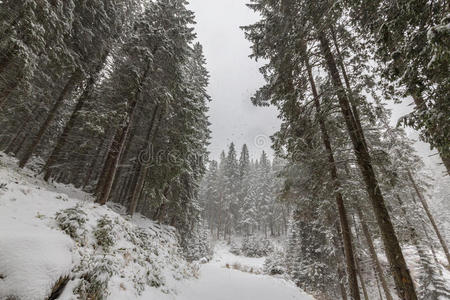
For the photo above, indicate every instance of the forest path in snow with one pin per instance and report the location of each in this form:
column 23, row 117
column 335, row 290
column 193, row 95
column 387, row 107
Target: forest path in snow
column 217, row 282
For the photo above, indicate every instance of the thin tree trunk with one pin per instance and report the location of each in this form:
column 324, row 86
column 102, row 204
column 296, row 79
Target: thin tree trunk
column 373, row 253
column 51, row 115
column 430, row 216
column 402, row 277
column 93, row 163
column 106, row 165
column 345, row 228
column 378, row 283
column 358, row 260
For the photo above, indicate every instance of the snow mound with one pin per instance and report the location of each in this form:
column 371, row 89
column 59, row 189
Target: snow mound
column 32, row 260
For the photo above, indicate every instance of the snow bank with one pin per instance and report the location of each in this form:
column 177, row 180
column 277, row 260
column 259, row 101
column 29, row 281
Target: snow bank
column 31, row 260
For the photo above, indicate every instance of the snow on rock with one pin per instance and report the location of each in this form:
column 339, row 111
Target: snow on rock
column 32, row 259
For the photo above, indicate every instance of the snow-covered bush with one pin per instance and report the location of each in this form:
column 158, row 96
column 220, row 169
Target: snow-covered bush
column 95, row 273
column 72, row 221
column 105, row 234
column 235, row 248
column 197, row 243
column 275, row 263
column 254, row 247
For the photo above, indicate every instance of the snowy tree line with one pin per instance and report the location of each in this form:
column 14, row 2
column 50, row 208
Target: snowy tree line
column 239, row 196
column 353, row 179
column 92, row 92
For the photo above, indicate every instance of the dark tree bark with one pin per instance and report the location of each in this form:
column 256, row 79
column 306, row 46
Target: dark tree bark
column 402, row 277
column 142, row 166
column 119, row 141
column 74, row 79
column 345, row 228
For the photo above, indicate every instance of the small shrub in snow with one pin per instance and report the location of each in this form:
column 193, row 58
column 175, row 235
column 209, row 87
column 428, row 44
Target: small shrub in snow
column 96, row 271
column 253, row 247
column 275, row 263
column 105, row 233
column 72, row 221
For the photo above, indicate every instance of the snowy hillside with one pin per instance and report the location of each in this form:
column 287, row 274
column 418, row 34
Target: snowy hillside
column 55, row 235
column 54, row 241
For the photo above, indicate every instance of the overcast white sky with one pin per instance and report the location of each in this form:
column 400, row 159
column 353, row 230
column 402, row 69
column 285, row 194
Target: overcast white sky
column 235, row 78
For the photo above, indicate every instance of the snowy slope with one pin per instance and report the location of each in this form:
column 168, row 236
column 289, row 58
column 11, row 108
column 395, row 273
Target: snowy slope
column 48, row 233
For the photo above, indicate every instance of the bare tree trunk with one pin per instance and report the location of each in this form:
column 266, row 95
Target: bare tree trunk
column 345, row 228
column 425, row 206
column 373, row 253
column 402, row 277
column 74, row 79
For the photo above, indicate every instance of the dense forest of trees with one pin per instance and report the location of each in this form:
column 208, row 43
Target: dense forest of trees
column 330, row 67
column 109, row 96
column 239, row 196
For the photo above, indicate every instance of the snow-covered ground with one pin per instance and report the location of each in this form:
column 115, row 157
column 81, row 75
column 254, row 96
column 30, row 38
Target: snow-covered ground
column 219, row 282
column 53, row 232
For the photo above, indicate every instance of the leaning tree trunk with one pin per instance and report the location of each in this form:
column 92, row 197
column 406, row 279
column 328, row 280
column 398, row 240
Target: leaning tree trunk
column 25, row 123
column 358, row 260
column 402, row 277
column 429, row 215
column 119, row 142
column 62, row 140
column 74, row 79
column 373, row 253
column 111, row 163
column 142, row 169
column 345, row 228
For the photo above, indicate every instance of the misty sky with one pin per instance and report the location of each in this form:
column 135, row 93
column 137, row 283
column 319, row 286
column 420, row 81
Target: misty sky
column 235, row 78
